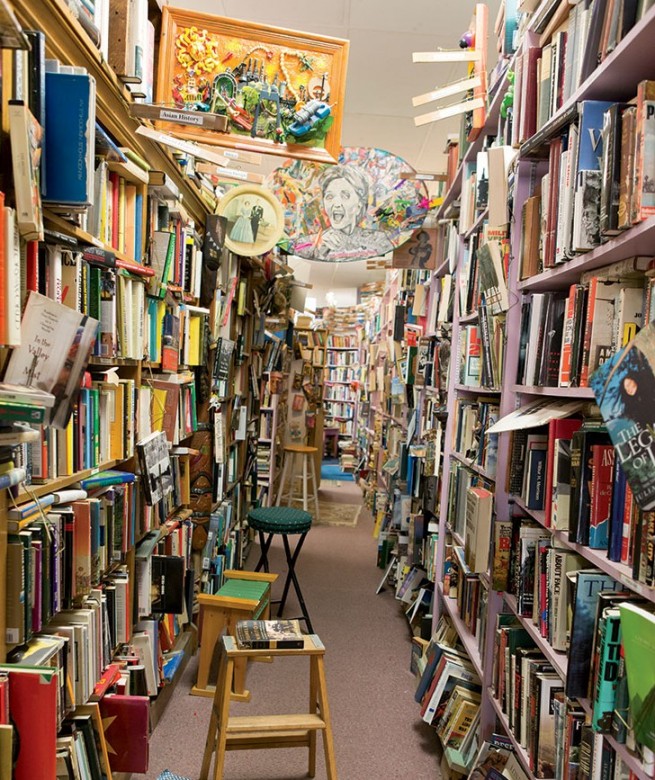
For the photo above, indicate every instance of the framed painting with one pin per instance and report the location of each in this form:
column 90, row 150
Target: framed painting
column 254, row 220
column 282, row 91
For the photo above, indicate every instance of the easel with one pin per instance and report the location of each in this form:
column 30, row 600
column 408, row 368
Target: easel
column 476, row 81
column 253, row 732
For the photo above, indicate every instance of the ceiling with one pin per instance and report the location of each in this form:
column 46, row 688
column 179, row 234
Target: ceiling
column 382, row 79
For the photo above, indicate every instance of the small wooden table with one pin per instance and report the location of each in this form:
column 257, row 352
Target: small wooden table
column 252, row 732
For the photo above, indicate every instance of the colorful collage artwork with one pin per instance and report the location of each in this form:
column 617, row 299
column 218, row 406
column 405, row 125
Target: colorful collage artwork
column 357, row 209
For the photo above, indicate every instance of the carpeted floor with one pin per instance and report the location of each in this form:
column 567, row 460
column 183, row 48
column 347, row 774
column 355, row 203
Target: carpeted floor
column 378, row 732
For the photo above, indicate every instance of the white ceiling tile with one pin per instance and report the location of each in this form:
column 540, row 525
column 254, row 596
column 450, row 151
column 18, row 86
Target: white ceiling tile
column 415, row 16
column 295, row 14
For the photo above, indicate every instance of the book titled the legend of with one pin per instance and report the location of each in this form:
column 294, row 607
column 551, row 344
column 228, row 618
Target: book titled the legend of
column 269, row 634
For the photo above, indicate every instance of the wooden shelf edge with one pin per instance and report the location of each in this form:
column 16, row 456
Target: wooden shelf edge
column 187, row 642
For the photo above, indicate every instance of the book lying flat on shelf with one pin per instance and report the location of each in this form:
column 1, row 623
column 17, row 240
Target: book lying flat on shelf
column 269, row 634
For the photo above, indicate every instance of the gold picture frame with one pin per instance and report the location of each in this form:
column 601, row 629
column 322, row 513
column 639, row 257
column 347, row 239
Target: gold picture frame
column 255, row 220
column 207, row 60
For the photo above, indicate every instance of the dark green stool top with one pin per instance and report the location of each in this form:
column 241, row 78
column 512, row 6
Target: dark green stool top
column 279, row 520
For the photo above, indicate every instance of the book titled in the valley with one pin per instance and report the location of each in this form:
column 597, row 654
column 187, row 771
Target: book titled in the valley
column 625, row 387
column 269, row 634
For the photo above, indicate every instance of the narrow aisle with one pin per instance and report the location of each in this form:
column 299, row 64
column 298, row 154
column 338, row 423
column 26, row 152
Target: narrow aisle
column 378, row 734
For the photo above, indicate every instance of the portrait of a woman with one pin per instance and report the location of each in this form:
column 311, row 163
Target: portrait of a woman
column 345, row 195
column 242, row 228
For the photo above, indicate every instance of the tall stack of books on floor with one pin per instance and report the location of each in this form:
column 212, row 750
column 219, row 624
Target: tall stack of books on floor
column 134, row 374
column 512, row 486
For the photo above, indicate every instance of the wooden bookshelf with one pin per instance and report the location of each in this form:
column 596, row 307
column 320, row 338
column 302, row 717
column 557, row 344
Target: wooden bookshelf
column 469, row 642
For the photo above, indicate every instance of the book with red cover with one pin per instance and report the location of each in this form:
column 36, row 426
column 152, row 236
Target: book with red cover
column 109, row 677
column 557, row 429
column 125, row 721
column 602, row 478
column 33, row 700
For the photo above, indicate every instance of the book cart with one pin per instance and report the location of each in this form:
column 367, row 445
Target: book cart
column 482, row 602
column 209, row 367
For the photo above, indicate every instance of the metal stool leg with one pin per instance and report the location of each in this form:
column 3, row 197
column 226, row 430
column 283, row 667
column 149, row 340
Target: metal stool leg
column 291, row 578
column 265, row 544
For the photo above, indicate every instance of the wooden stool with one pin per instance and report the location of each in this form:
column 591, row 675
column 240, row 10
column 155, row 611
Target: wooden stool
column 269, row 731
column 282, row 520
column 291, row 451
column 245, row 595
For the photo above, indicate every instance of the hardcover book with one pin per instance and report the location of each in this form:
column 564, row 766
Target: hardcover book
column 269, row 634
column 125, row 720
column 638, row 628
column 588, row 584
column 70, row 147
column 55, row 348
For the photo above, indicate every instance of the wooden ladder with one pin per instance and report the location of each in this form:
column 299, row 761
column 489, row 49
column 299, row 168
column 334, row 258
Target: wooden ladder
column 254, row 732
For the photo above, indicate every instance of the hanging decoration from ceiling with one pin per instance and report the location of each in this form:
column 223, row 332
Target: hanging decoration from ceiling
column 357, row 209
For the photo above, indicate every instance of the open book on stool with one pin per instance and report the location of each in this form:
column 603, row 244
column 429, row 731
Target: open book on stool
column 269, row 634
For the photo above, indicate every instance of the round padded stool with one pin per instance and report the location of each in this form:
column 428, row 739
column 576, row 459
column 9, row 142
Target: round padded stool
column 307, row 473
column 271, row 520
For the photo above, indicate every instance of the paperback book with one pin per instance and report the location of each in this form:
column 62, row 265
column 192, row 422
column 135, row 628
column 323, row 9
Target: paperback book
column 269, row 634
column 624, row 387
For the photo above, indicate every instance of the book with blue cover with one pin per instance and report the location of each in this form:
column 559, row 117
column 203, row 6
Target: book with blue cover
column 70, row 139
column 624, row 387
column 588, row 584
column 590, row 144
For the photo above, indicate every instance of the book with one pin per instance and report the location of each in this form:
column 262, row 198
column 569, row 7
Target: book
column 269, row 634
column 26, row 139
column 126, row 725
column 638, row 632
column 479, row 502
column 623, row 387
column 33, row 690
column 55, row 348
column 70, row 155
column 588, row 584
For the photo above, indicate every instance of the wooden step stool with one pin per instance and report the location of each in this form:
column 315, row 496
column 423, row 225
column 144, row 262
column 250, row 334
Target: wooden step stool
column 245, row 595
column 269, row 731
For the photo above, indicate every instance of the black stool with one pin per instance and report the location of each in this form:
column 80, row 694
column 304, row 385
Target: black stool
column 282, row 520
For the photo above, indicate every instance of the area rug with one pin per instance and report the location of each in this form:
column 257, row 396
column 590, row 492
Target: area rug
column 331, row 513
column 332, row 470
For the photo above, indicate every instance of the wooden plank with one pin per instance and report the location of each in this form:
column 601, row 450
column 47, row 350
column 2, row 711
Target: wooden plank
column 448, row 111
column 265, row 725
column 228, row 174
column 447, row 91
column 452, row 55
column 416, row 176
column 180, row 116
column 276, row 739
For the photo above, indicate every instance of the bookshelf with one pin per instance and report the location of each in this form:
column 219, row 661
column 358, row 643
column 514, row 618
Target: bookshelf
column 341, row 400
column 615, row 79
column 178, row 360
column 306, row 391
